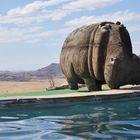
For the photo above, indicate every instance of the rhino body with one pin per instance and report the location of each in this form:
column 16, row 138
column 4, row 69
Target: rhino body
column 98, row 54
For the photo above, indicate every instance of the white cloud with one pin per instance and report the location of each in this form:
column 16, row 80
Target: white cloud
column 28, row 9
column 71, row 7
column 39, row 11
column 36, row 34
column 31, row 13
column 78, row 5
column 30, row 34
column 122, row 16
column 8, row 35
column 32, row 8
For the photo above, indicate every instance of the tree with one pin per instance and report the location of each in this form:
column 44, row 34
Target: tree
column 51, row 80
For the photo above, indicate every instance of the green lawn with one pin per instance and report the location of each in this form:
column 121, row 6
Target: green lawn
column 50, row 92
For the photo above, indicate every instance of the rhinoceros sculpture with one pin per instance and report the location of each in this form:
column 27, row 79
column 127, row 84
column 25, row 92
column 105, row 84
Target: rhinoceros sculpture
column 98, row 54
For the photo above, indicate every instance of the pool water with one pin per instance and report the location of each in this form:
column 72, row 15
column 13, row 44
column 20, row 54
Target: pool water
column 116, row 121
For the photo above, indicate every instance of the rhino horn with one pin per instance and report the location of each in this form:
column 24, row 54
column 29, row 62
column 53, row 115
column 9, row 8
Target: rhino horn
column 102, row 24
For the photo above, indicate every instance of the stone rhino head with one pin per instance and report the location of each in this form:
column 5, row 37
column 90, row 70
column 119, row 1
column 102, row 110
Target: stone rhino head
column 100, row 53
column 121, row 65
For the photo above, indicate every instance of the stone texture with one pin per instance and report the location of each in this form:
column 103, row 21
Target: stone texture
column 98, row 54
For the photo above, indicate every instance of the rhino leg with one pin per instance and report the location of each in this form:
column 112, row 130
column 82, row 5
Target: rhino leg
column 72, row 84
column 92, row 84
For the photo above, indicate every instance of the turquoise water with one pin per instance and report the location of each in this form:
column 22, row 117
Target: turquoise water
column 116, row 121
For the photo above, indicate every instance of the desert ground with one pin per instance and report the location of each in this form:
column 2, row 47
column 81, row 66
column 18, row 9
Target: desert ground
column 23, row 87
column 7, row 87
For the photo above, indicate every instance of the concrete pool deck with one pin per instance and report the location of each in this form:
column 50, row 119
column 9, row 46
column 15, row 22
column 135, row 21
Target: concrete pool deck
column 131, row 93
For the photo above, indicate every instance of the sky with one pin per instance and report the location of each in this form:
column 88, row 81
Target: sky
column 32, row 32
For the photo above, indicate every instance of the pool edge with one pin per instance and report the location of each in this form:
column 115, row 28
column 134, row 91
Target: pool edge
column 65, row 99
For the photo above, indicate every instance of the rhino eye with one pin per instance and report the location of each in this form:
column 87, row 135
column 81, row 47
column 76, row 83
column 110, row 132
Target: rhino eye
column 112, row 60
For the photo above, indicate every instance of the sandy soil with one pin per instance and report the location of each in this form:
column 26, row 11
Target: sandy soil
column 22, row 87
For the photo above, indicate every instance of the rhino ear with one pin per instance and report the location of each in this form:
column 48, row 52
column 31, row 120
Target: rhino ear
column 122, row 26
column 118, row 23
column 102, row 24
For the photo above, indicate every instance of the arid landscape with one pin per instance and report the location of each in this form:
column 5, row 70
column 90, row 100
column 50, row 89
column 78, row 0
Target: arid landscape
column 7, row 87
column 29, row 81
column 52, row 70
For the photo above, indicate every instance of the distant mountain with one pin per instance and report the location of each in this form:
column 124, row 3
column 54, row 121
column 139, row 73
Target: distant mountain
column 53, row 70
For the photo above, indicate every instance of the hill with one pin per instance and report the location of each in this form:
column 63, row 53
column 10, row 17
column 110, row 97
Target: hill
column 40, row 74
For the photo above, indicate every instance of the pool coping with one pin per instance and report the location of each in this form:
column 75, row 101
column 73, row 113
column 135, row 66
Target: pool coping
column 66, row 99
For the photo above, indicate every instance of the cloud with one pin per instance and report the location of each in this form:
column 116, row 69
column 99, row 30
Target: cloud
column 40, row 11
column 8, row 35
column 78, row 5
column 29, row 19
column 32, row 8
column 122, row 16
column 26, row 10
column 37, row 33
column 31, row 13
column 31, row 34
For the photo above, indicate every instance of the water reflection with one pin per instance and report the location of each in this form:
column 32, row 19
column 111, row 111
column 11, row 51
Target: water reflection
column 79, row 121
column 108, row 122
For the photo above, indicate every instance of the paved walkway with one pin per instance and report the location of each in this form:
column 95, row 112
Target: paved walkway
column 132, row 93
column 70, row 95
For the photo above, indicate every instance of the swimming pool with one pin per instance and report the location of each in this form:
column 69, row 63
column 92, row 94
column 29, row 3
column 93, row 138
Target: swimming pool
column 112, row 120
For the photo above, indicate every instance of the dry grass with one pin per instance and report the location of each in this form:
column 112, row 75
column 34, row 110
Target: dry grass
column 23, row 87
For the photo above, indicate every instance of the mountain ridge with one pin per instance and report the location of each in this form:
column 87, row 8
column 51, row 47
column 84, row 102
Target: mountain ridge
column 52, row 70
